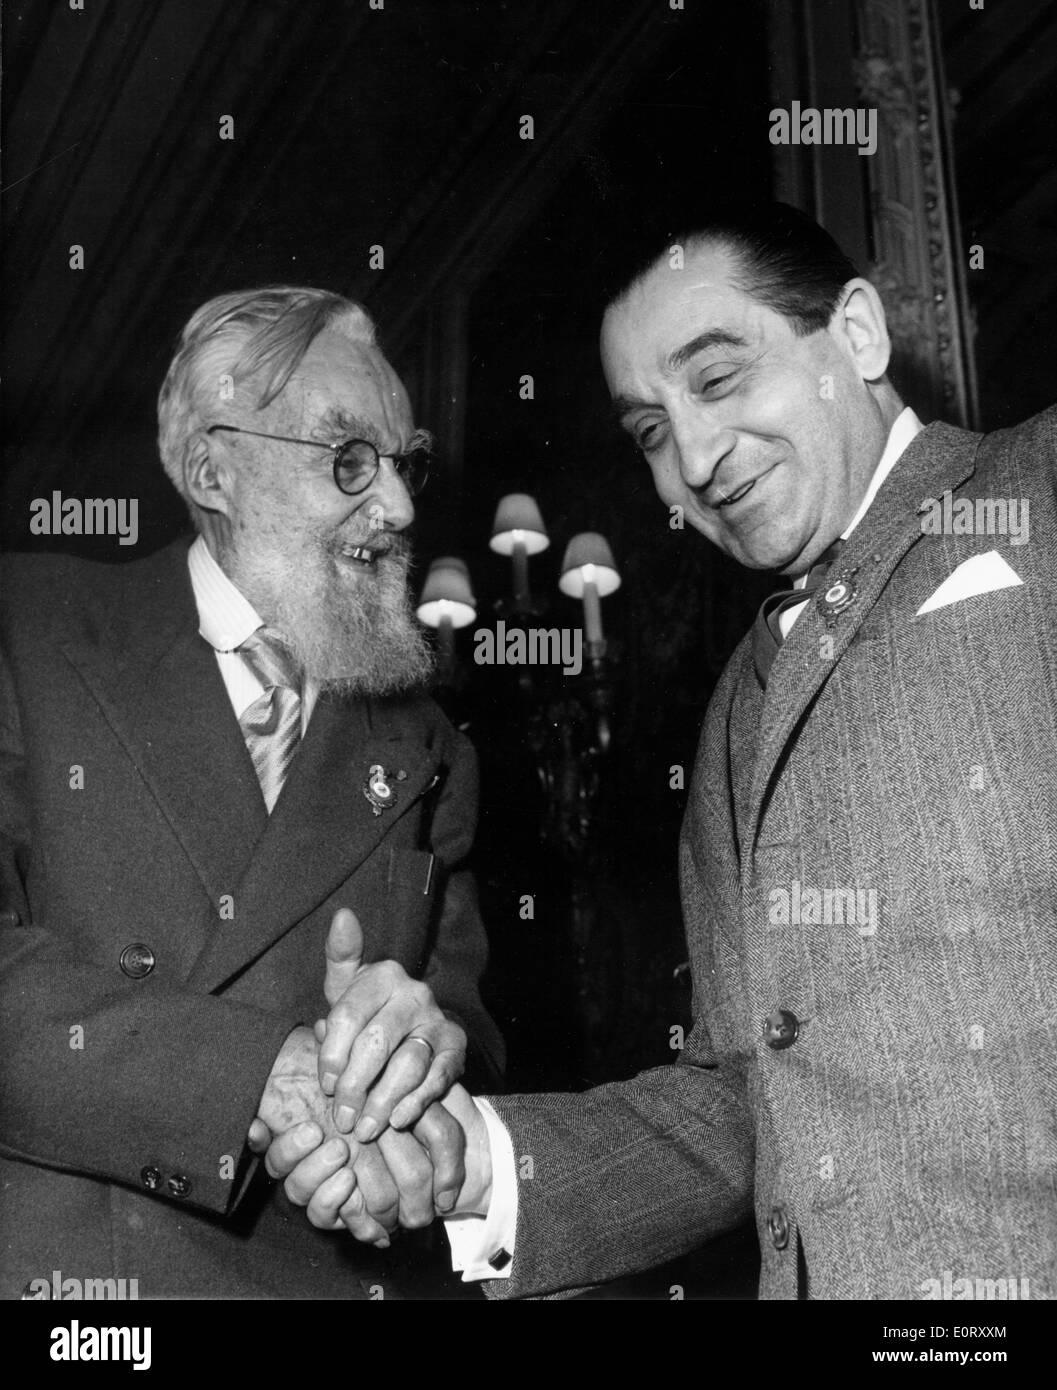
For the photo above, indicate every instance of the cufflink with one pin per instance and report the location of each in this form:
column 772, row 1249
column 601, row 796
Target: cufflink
column 500, row 1259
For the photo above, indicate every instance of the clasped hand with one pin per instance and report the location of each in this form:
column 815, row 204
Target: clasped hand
column 350, row 1117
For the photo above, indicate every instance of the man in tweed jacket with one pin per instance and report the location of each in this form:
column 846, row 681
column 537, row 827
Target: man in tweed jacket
column 869, row 855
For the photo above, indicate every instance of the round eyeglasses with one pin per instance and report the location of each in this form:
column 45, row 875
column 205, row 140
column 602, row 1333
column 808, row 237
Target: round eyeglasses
column 356, row 461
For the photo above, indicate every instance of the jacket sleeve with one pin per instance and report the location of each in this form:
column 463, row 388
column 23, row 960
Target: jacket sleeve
column 460, row 948
column 626, row 1176
column 110, row 1076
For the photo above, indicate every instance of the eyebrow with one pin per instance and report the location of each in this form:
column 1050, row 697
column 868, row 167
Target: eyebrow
column 711, row 338
column 338, row 421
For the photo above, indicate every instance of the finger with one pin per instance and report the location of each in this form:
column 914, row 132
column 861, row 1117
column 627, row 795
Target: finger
column 350, row 1023
column 344, row 953
column 319, row 1028
column 288, row 1149
column 381, row 1197
column 359, row 1222
column 328, row 1199
column 259, row 1137
column 395, row 1005
column 445, row 1070
column 444, row 1140
column 405, row 1072
column 412, row 1172
column 314, row 1169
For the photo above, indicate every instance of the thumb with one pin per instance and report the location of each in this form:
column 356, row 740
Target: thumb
column 344, row 952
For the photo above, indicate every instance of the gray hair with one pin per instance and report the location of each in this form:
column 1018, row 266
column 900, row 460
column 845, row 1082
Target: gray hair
column 235, row 337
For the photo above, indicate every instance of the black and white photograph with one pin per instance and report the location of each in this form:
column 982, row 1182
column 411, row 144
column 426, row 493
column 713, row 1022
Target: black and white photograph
column 528, row 665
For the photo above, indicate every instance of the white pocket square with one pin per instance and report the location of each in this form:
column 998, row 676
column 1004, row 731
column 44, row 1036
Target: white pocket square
column 980, row 575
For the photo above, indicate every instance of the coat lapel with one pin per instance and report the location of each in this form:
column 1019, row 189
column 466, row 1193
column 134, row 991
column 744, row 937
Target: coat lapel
column 157, row 682
column 940, row 457
column 322, row 826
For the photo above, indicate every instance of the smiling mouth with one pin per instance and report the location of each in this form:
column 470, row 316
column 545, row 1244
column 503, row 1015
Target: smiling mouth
column 360, row 553
column 738, row 495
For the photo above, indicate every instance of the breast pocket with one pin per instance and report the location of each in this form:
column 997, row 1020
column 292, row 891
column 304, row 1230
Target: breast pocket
column 412, row 871
column 411, row 894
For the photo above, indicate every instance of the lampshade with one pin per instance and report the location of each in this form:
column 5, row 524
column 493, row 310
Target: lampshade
column 447, row 593
column 518, row 518
column 588, row 556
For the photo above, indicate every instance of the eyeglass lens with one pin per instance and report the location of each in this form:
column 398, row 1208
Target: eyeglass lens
column 356, row 464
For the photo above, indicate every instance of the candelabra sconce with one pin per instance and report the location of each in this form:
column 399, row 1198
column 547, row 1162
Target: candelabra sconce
column 540, row 721
column 518, row 531
column 447, row 602
column 589, row 573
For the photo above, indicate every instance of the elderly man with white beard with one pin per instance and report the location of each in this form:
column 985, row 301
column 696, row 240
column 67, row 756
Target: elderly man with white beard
column 208, row 759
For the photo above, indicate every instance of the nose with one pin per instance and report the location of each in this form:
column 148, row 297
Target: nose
column 388, row 498
column 702, row 445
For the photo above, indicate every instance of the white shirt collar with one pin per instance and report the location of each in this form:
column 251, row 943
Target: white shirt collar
column 905, row 426
column 226, row 618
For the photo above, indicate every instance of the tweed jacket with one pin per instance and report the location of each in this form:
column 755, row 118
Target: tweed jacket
column 869, row 880
column 131, row 817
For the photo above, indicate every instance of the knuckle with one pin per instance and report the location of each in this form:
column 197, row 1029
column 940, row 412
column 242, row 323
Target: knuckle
column 414, row 1219
column 372, row 1042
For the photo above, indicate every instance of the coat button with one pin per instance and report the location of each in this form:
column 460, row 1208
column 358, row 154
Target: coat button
column 137, row 960
column 9, row 917
column 150, row 1178
column 778, row 1226
column 178, row 1185
column 781, row 1029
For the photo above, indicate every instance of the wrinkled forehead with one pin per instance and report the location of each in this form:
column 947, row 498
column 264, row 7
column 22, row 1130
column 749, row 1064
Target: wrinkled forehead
column 672, row 304
column 339, row 379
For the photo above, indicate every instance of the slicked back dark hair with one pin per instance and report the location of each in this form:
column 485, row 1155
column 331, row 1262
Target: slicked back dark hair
column 783, row 259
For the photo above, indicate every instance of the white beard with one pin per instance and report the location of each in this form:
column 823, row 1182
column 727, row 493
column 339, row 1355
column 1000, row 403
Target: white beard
column 348, row 626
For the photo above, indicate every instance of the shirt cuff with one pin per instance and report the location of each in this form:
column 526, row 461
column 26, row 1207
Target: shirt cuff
column 482, row 1247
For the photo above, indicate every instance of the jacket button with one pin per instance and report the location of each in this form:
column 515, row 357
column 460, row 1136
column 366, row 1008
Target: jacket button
column 137, row 960
column 778, row 1226
column 9, row 917
column 151, row 1178
column 781, row 1029
column 178, row 1185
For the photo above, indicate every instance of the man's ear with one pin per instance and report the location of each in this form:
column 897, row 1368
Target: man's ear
column 860, row 327
column 206, row 473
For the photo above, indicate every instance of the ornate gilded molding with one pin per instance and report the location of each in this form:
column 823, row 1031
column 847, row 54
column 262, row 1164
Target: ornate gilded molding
column 896, row 210
column 918, row 261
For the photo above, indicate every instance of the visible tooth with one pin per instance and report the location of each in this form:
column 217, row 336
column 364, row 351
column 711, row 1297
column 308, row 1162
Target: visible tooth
column 737, row 496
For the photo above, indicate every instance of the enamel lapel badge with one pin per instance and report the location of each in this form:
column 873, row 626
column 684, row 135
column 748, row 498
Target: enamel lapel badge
column 379, row 789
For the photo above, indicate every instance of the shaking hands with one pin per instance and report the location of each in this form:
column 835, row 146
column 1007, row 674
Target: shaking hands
column 351, row 1117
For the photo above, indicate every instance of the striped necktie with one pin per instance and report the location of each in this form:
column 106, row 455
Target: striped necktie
column 767, row 630
column 271, row 726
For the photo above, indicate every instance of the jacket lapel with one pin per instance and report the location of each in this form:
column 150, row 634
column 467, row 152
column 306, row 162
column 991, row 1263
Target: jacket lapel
column 157, row 682
column 940, row 457
column 322, row 826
